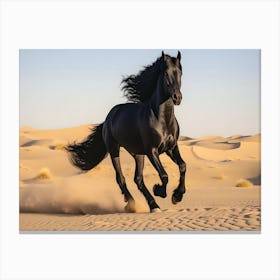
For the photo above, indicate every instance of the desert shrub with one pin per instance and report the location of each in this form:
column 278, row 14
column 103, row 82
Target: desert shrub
column 242, row 183
column 44, row 174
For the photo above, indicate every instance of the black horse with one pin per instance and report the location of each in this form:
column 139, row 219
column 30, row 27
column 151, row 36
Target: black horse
column 146, row 126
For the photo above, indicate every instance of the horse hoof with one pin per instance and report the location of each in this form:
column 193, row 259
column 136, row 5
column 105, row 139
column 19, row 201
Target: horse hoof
column 155, row 210
column 176, row 197
column 159, row 191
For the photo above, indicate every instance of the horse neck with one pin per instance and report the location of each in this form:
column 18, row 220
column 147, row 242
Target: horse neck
column 162, row 105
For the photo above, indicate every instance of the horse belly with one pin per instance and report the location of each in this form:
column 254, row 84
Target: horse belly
column 131, row 141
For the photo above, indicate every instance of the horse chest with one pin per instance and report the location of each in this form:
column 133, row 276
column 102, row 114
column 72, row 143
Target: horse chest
column 164, row 136
column 168, row 143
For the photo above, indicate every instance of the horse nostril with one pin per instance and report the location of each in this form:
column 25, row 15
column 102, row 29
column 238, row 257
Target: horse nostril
column 177, row 98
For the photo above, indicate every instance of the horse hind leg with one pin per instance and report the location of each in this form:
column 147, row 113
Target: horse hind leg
column 130, row 207
column 138, row 179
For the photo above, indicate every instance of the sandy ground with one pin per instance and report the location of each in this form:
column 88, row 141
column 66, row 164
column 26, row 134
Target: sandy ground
column 55, row 196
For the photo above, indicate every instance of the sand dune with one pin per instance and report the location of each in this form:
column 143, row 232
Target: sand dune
column 242, row 151
column 54, row 195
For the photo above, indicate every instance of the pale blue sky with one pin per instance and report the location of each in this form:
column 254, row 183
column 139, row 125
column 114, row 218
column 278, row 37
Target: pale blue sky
column 66, row 88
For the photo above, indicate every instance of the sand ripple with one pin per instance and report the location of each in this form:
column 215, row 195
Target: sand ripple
column 247, row 218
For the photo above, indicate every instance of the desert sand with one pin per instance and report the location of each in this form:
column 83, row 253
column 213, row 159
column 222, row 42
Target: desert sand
column 55, row 196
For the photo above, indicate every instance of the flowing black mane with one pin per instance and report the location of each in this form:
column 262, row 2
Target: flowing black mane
column 139, row 88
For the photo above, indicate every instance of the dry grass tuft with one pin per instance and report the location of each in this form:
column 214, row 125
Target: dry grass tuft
column 242, row 183
column 44, row 174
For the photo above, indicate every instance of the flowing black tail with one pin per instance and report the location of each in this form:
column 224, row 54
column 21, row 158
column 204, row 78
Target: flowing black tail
column 89, row 153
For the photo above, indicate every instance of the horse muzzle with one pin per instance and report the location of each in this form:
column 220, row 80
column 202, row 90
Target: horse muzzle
column 177, row 98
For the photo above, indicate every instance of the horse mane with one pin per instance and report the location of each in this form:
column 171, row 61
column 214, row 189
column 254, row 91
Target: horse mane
column 139, row 88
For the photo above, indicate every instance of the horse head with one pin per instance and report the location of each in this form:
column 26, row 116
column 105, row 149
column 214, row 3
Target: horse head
column 172, row 70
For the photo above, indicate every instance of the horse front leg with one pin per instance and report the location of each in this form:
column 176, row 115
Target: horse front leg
column 159, row 190
column 181, row 189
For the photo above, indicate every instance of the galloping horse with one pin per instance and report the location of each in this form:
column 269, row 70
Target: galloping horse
column 145, row 126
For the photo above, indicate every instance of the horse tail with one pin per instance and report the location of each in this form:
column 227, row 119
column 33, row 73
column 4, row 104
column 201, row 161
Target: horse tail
column 89, row 153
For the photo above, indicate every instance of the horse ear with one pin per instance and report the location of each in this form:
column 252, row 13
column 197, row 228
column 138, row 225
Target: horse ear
column 163, row 56
column 179, row 56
